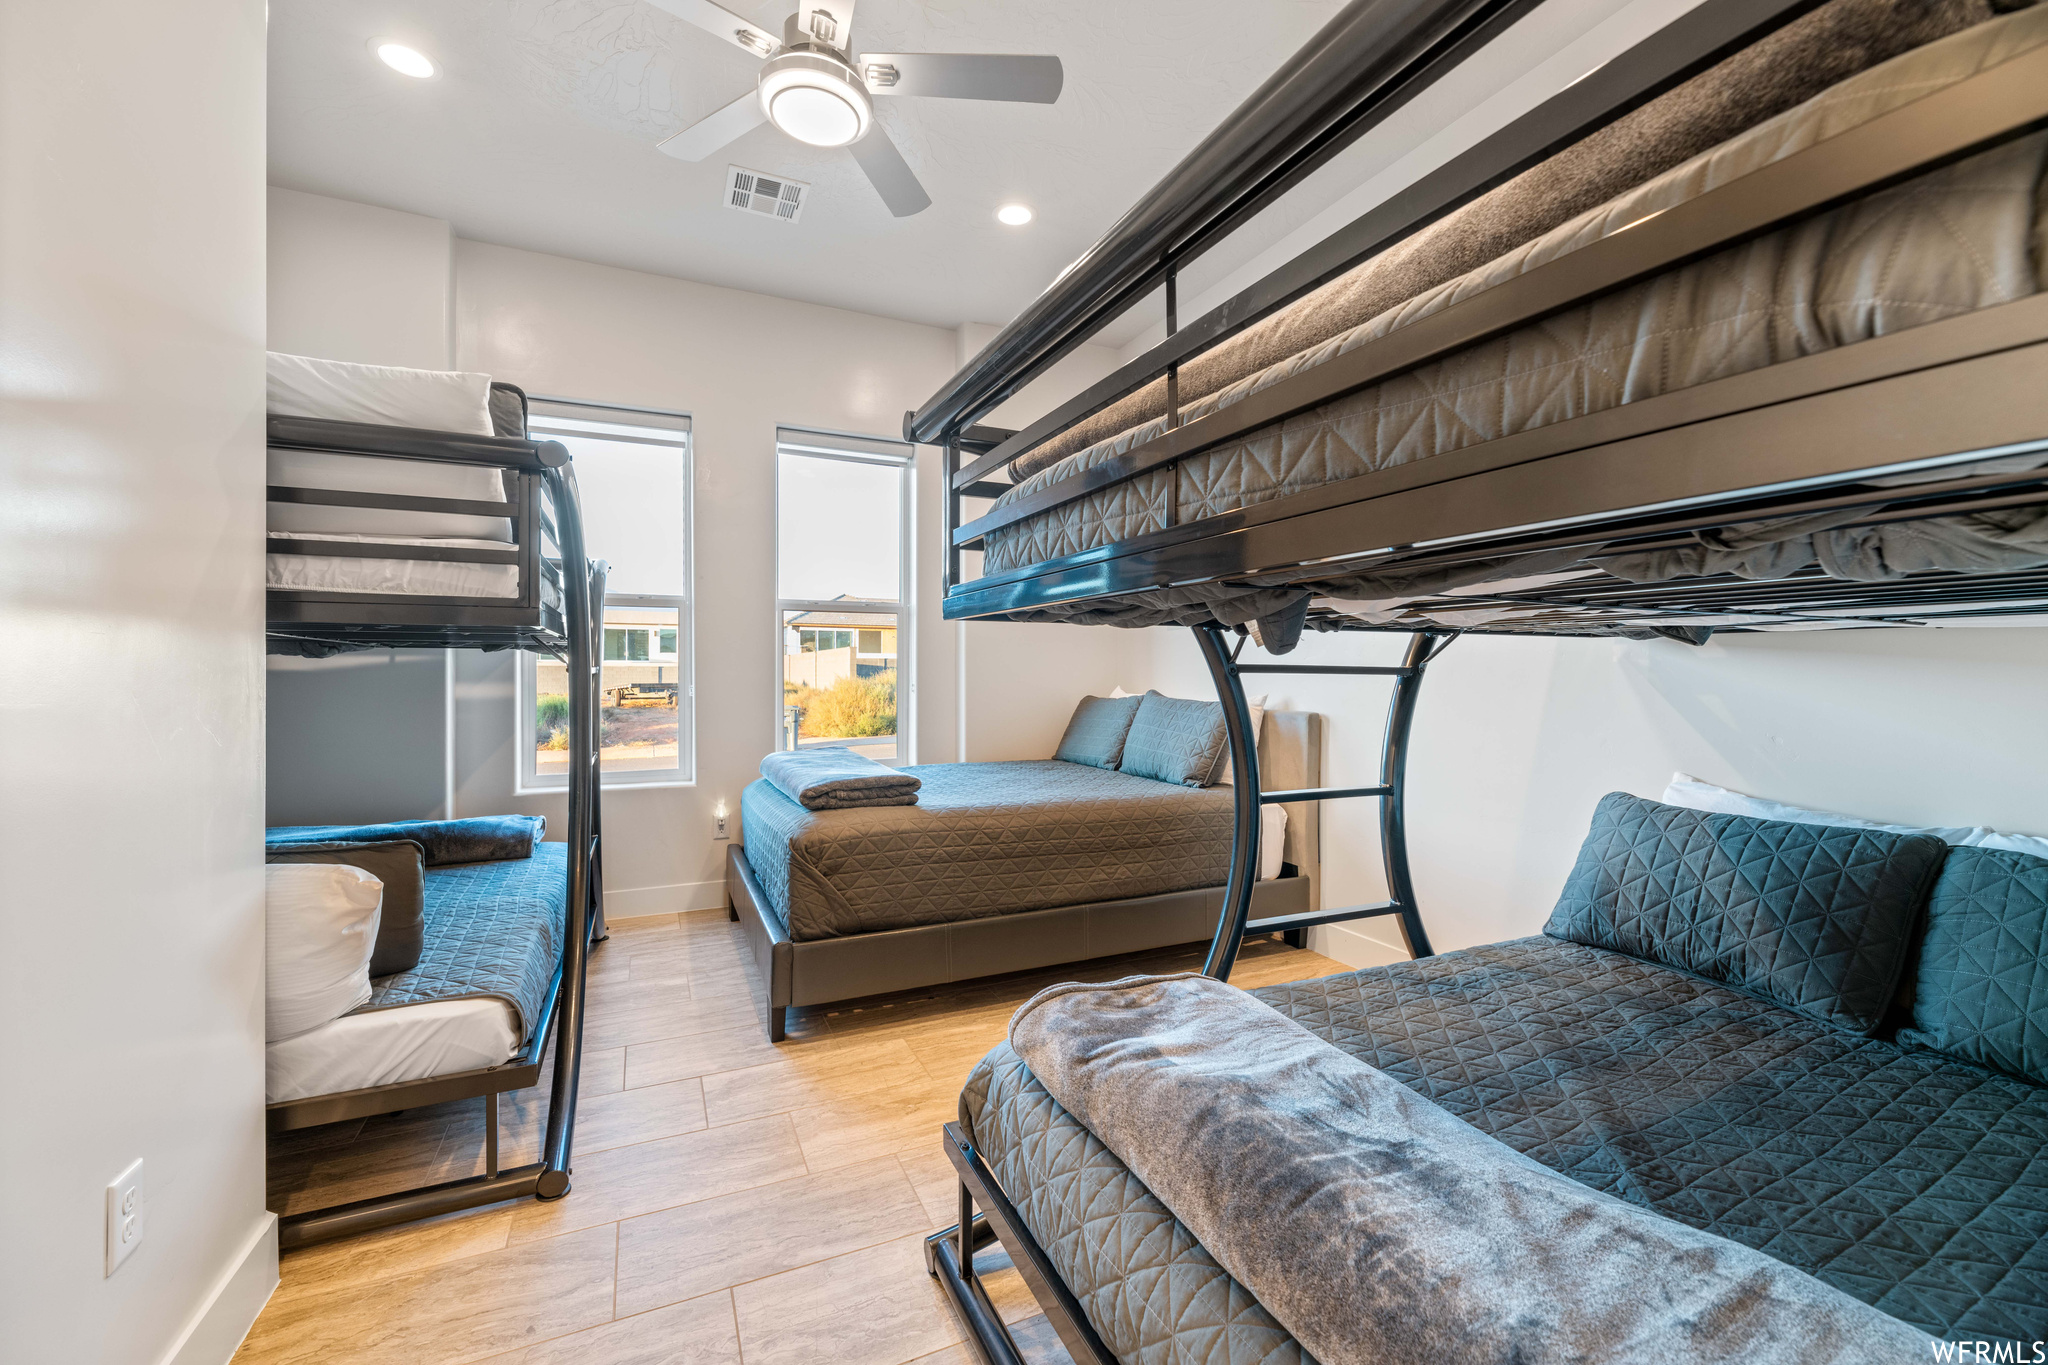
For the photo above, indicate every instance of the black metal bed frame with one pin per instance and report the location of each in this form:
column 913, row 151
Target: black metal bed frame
column 557, row 612
column 1798, row 437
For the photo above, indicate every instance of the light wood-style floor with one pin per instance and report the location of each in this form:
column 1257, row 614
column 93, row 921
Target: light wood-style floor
column 734, row 1201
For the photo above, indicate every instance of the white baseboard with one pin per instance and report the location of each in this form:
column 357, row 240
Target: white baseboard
column 633, row 902
column 216, row 1331
column 1354, row 947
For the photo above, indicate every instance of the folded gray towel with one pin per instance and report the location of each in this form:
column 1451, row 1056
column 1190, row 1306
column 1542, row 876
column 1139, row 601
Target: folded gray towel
column 837, row 779
column 1377, row 1227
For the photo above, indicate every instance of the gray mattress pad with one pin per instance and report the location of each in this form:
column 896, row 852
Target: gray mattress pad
column 1965, row 237
column 984, row 839
column 1910, row 1180
column 492, row 930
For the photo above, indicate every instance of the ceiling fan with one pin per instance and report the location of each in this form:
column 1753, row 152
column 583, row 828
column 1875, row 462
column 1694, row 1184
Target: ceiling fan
column 813, row 88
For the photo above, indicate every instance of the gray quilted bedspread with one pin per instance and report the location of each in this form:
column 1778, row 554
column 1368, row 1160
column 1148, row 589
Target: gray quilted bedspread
column 983, row 839
column 1949, row 242
column 492, row 930
column 1912, row 1181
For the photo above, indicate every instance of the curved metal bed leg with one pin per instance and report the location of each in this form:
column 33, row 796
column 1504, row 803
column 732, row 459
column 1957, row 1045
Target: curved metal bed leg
column 581, row 583
column 1244, row 831
column 1422, row 646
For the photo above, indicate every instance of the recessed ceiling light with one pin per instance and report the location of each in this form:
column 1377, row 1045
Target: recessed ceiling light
column 404, row 60
column 1016, row 215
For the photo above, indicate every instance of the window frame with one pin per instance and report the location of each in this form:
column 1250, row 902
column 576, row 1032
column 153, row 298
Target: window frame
column 851, row 448
column 666, row 428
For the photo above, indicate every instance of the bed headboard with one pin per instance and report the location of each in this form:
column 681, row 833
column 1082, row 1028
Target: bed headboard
column 1291, row 757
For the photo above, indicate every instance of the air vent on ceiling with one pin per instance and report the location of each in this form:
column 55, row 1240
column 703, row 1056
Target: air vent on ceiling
column 771, row 196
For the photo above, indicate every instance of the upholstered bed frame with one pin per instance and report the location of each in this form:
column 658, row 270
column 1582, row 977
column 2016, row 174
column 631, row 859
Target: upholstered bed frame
column 821, row 971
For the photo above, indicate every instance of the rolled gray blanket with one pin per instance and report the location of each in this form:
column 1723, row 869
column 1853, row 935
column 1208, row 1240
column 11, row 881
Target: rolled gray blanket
column 1377, row 1227
column 478, row 839
column 837, row 779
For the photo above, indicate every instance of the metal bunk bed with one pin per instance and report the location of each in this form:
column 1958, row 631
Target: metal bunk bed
column 1795, row 438
column 555, row 611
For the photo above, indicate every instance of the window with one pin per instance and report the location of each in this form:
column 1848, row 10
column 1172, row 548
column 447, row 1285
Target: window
column 842, row 561
column 633, row 471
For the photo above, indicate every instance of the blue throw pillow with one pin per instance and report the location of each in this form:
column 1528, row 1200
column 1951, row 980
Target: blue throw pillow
column 1981, row 991
column 1095, row 736
column 1174, row 740
column 1817, row 918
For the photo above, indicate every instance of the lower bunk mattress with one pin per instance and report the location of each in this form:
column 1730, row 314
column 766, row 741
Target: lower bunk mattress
column 1959, row 239
column 984, row 839
column 492, row 936
column 1908, row 1180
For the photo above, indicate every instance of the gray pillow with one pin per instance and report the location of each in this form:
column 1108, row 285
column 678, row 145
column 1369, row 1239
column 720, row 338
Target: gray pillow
column 1981, row 992
column 1816, row 918
column 400, row 865
column 1095, row 736
column 1174, row 741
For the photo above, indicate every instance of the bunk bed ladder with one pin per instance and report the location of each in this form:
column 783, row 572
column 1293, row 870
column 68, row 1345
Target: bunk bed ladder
column 1234, row 922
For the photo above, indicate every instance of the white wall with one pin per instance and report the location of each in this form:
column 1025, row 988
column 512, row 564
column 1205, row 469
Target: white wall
column 1516, row 739
column 352, row 282
column 131, row 473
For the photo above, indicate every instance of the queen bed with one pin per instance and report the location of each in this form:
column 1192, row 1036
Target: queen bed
column 1003, row 867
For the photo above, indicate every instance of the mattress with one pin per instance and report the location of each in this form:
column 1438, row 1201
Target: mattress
column 984, row 839
column 491, row 931
column 1912, row 1181
column 1955, row 240
column 439, row 1038
column 400, row 577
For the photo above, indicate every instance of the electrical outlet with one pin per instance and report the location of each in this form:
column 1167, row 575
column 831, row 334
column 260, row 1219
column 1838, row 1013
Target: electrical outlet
column 125, row 1209
column 719, row 816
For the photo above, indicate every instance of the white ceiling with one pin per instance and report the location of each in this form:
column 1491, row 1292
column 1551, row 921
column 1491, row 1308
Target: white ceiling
column 541, row 130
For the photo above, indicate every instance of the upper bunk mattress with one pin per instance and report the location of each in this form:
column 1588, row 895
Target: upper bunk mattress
column 1914, row 1182
column 984, row 839
column 1955, row 240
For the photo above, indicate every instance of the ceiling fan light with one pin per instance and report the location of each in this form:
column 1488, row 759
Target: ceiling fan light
column 810, row 114
column 816, row 99
column 406, row 61
column 1014, row 215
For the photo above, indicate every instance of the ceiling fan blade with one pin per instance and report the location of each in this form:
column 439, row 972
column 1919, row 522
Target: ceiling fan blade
column 744, row 34
column 713, row 131
column 890, row 174
column 828, row 21
column 963, row 75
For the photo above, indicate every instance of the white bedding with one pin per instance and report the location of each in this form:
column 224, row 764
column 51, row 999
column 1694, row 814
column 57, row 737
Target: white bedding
column 388, row 395
column 384, row 1047
column 400, row 577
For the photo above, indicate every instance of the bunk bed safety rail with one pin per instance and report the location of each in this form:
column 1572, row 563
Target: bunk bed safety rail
column 2001, row 103
column 318, row 621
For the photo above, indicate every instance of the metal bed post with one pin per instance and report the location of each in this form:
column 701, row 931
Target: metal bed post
column 1233, row 923
column 579, row 578
column 1244, row 830
column 1422, row 647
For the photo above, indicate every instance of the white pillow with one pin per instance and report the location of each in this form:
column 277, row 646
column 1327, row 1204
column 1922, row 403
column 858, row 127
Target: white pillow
column 1272, row 841
column 388, row 395
column 1688, row 791
column 320, row 923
